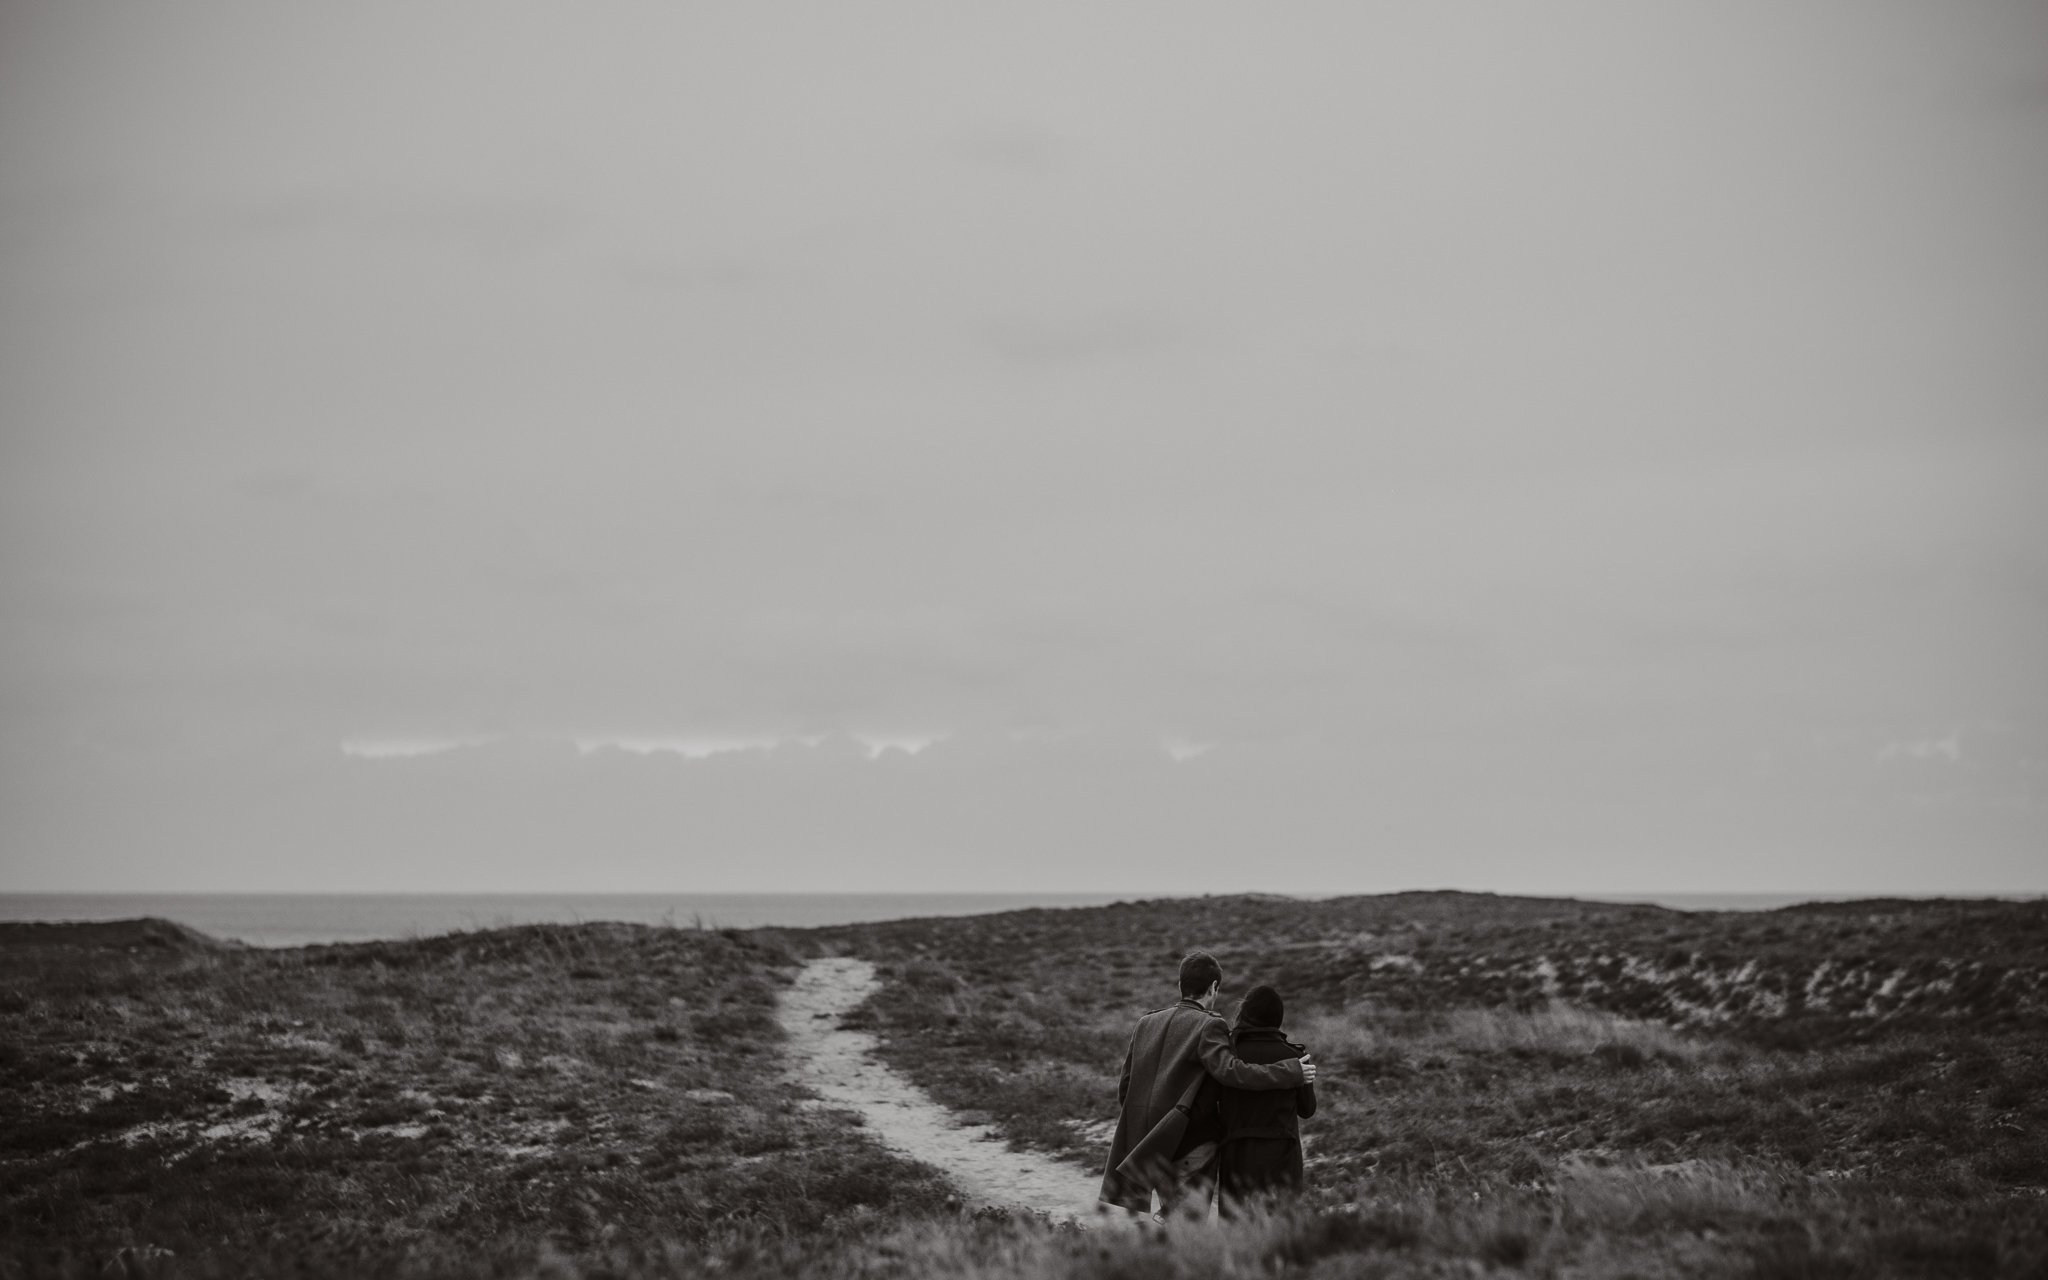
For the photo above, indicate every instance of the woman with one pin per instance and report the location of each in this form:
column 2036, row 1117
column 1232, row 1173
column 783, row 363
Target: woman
column 1260, row 1153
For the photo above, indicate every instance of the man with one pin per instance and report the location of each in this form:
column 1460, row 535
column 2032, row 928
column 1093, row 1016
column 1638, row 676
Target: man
column 1171, row 1049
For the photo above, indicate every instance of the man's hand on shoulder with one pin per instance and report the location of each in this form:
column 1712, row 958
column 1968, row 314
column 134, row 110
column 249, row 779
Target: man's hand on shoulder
column 1308, row 1068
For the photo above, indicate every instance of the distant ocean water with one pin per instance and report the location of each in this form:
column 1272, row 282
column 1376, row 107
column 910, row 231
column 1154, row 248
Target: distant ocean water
column 301, row 919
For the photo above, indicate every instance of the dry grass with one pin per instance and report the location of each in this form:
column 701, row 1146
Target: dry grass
column 1554, row 1031
column 520, row 1103
column 1440, row 1075
column 1596, row 1223
column 545, row 1086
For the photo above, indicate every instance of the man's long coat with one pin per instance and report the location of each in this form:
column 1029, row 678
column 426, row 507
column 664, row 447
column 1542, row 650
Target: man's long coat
column 1170, row 1049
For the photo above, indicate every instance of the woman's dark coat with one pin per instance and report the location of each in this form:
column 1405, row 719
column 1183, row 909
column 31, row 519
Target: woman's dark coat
column 1261, row 1131
column 1170, row 1049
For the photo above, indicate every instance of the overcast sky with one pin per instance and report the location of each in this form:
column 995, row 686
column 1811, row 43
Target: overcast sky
column 1106, row 446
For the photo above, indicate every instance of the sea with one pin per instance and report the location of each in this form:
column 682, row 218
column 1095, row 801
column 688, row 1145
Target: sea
column 304, row 919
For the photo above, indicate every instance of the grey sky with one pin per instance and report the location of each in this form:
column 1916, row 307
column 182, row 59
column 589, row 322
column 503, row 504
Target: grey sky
column 1295, row 446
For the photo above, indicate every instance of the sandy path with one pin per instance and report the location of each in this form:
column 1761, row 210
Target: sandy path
column 840, row 1066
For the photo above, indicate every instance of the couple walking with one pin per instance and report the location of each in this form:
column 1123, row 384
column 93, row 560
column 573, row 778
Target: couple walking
column 1208, row 1107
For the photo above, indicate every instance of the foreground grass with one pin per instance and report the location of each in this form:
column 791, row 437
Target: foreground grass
column 1595, row 1223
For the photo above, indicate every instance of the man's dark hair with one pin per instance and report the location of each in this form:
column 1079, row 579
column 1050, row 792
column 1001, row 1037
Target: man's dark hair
column 1197, row 972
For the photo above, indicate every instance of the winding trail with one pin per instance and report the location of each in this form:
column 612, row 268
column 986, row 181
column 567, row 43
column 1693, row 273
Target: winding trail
column 840, row 1066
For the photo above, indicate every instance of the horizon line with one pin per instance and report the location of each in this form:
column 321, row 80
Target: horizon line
column 1603, row 895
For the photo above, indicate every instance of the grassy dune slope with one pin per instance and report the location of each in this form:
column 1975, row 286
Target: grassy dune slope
column 167, row 1102
column 1513, row 1086
column 1892, row 1054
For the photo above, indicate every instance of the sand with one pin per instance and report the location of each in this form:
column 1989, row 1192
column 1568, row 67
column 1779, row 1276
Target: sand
column 840, row 1066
